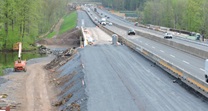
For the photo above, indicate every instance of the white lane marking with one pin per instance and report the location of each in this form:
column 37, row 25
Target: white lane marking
column 153, row 47
column 172, row 56
column 202, row 69
column 146, row 44
column 162, row 51
column 186, row 62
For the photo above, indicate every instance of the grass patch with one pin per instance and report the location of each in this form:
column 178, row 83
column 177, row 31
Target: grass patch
column 70, row 22
column 51, row 34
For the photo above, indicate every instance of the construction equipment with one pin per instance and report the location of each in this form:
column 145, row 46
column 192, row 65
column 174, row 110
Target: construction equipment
column 19, row 65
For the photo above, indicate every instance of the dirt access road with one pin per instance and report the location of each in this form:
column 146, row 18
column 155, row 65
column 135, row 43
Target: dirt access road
column 36, row 84
column 31, row 90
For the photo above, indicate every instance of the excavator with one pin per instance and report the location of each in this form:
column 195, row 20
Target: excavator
column 19, row 65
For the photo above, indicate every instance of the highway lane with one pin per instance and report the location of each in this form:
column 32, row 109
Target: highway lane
column 114, row 19
column 83, row 19
column 192, row 64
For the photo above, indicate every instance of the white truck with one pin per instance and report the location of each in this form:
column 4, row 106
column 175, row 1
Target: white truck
column 103, row 21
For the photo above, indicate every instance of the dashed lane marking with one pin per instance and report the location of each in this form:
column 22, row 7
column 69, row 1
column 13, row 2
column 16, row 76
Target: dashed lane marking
column 162, row 51
column 186, row 62
column 172, row 56
column 202, row 69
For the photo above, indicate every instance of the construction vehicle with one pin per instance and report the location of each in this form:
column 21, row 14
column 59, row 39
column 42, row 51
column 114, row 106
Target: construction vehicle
column 19, row 65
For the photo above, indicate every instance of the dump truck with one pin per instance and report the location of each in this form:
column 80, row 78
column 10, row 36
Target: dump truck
column 19, row 65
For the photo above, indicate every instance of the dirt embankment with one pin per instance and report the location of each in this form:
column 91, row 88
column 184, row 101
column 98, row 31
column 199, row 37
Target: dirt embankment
column 69, row 39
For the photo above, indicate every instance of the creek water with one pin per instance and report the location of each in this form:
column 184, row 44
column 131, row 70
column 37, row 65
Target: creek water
column 8, row 58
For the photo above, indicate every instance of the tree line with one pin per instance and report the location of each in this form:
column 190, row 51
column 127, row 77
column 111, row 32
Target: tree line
column 191, row 15
column 26, row 19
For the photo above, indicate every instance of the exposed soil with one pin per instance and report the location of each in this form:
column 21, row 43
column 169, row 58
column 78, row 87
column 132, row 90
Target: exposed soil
column 68, row 39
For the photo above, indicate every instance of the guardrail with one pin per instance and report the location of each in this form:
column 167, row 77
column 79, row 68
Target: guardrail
column 197, row 84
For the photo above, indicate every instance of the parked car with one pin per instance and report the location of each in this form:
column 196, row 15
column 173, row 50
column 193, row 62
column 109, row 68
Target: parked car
column 131, row 32
column 168, row 36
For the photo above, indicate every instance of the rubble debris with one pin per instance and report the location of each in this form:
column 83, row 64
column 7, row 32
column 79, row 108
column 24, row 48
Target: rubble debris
column 61, row 102
column 3, row 96
column 74, row 107
column 61, row 59
column 44, row 50
column 64, row 79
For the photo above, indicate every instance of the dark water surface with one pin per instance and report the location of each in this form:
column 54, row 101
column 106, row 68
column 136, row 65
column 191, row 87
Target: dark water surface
column 8, row 58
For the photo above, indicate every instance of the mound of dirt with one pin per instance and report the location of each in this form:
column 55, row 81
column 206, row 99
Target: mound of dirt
column 70, row 39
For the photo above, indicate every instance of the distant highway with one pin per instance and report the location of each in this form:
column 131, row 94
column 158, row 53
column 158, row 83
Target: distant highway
column 116, row 20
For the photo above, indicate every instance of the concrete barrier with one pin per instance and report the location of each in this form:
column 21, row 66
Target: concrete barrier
column 84, row 37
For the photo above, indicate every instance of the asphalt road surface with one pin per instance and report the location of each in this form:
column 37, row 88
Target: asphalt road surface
column 118, row 79
column 84, row 20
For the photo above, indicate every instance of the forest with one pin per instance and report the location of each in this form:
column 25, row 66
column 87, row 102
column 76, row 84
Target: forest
column 191, row 15
column 25, row 20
